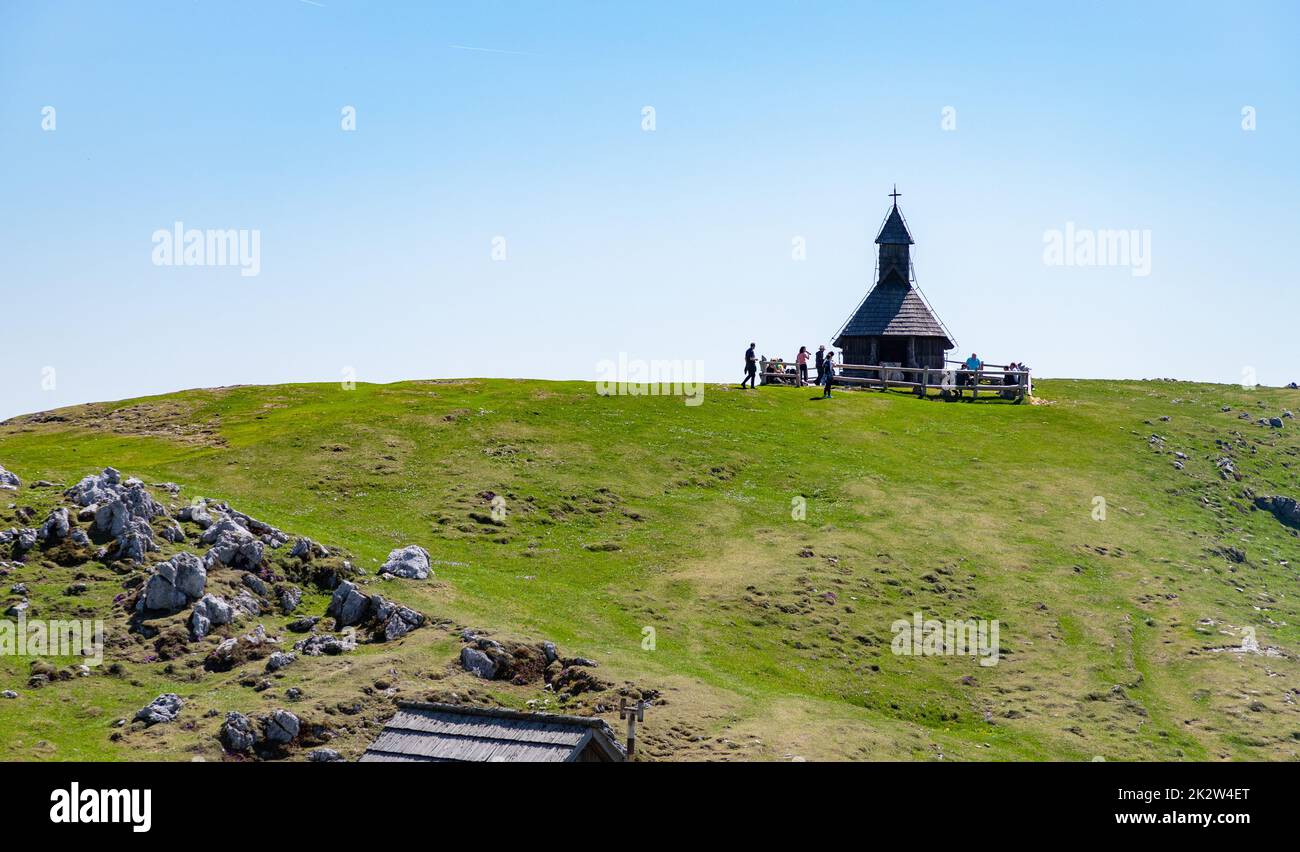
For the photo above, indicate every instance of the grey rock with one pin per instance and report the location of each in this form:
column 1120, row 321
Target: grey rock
column 135, row 541
column 211, row 611
column 8, row 693
column 395, row 620
column 9, row 481
column 173, row 533
column 303, row 625
column 257, row 584
column 237, row 732
column 1275, row 422
column 319, row 644
column 228, row 652
column 96, row 488
column 114, row 515
column 477, row 663
column 290, row 597
column 25, row 540
column 279, row 660
column 348, row 605
column 552, row 654
column 410, row 562
column 174, row 583
column 164, row 708
column 79, row 537
column 197, row 513
column 232, row 546
column 264, row 532
column 19, row 609
column 324, row 755
column 56, row 526
column 1285, row 509
column 244, row 602
column 280, row 727
column 307, row 550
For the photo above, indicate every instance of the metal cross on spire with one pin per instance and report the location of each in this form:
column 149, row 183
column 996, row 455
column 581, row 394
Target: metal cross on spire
column 894, row 195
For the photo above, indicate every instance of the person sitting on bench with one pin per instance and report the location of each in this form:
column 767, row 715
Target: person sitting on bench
column 971, row 374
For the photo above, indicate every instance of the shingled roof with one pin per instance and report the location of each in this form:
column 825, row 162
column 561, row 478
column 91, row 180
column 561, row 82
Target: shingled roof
column 423, row 732
column 894, row 231
column 894, row 308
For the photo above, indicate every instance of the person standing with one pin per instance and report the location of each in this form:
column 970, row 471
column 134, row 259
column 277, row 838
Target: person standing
column 821, row 362
column 829, row 367
column 802, row 362
column 751, row 366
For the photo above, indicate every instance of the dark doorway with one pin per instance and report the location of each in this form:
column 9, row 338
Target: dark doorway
column 893, row 350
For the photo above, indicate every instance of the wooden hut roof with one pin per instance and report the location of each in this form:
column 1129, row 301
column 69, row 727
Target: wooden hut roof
column 894, row 308
column 426, row 732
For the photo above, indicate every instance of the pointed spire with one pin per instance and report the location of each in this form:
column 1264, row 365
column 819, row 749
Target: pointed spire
column 894, row 231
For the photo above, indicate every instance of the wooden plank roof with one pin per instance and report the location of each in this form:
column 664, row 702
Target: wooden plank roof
column 447, row 732
column 893, row 308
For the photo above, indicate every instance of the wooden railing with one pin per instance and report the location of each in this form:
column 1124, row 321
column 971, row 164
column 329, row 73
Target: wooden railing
column 991, row 379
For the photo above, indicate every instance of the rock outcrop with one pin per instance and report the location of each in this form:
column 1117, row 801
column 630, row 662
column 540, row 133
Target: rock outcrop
column 232, row 546
column 1285, row 509
column 350, row 606
column 325, row 644
column 164, row 708
column 410, row 562
column 56, row 527
column 237, row 733
column 210, row 611
column 280, row 727
column 174, row 584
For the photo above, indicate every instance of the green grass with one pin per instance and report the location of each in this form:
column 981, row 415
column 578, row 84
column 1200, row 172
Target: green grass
column 956, row 510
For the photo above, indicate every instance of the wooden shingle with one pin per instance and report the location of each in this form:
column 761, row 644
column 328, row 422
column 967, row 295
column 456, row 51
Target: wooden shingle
column 447, row 732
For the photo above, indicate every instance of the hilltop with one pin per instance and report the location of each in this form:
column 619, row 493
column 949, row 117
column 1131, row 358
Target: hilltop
column 658, row 541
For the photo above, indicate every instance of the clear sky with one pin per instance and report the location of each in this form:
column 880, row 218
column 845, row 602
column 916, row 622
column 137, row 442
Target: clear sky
column 525, row 121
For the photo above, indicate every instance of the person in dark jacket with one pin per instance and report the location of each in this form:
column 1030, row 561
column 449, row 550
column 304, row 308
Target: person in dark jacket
column 820, row 362
column 751, row 366
column 828, row 366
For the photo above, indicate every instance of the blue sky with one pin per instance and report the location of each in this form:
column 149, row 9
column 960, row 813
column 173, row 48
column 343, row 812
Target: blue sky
column 524, row 121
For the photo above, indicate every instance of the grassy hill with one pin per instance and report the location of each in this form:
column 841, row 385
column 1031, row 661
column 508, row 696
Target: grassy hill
column 1120, row 637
